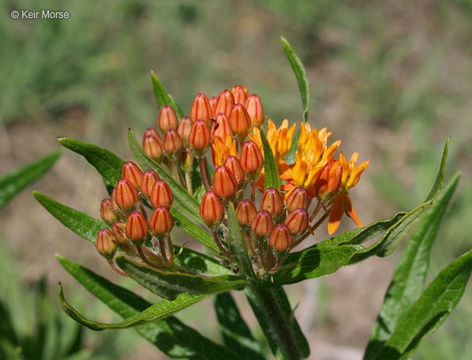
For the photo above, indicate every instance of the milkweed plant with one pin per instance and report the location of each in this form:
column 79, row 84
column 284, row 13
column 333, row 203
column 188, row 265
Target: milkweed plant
column 250, row 192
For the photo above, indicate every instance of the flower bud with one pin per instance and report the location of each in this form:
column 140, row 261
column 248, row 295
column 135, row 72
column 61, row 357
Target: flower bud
column 297, row 221
column 201, row 109
column 106, row 211
column 152, row 132
column 114, row 205
column 240, row 121
column 161, row 195
column 184, row 129
column 161, row 221
column 106, row 244
column 251, row 159
column 136, row 227
column 246, row 212
column 152, row 147
column 297, row 198
column 167, row 119
column 262, row 224
column 255, row 110
column 232, row 163
column 149, row 179
column 225, row 103
column 224, row 183
column 221, row 127
column 172, row 142
column 186, row 159
column 280, row 238
column 213, row 100
column 119, row 231
column 132, row 173
column 329, row 180
column 272, row 202
column 199, row 137
column 126, row 195
column 211, row 209
column 240, row 94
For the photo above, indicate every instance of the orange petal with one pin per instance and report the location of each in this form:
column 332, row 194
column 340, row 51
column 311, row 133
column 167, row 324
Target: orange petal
column 350, row 211
column 336, row 213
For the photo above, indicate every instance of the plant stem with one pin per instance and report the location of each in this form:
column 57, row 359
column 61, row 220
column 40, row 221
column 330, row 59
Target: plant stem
column 188, row 181
column 203, row 172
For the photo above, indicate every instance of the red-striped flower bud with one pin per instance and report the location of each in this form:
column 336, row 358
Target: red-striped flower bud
column 114, row 205
column 199, row 137
column 184, row 129
column 152, row 147
column 221, row 127
column 224, row 183
column 136, row 227
column 213, row 100
column 262, row 224
column 167, row 119
column 149, row 179
column 201, row 109
column 329, row 180
column 297, row 221
column 161, row 195
column 211, row 209
column 126, row 195
column 246, row 212
column 152, row 132
column 225, row 103
column 280, row 238
column 240, row 121
column 271, row 201
column 297, row 198
column 161, row 221
column 255, row 110
column 186, row 159
column 173, row 143
column 251, row 159
column 106, row 244
column 133, row 173
column 240, row 94
column 232, row 163
column 106, row 211
column 119, row 231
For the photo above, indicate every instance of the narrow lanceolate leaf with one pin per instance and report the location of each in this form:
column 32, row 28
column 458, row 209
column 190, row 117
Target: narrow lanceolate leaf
column 271, row 173
column 174, row 338
column 194, row 262
column 162, row 97
column 236, row 334
column 107, row 164
column 430, row 310
column 83, row 225
column 15, row 181
column 410, row 273
column 179, row 282
column 440, row 176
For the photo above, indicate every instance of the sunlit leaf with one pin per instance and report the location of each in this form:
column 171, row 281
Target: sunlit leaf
column 271, row 173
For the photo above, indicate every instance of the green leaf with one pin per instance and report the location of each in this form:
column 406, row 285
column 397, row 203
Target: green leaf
column 162, row 97
column 80, row 223
column 236, row 334
column 430, row 310
column 107, row 164
column 15, row 181
column 170, row 335
column 410, row 273
column 271, row 173
column 440, row 177
column 194, row 262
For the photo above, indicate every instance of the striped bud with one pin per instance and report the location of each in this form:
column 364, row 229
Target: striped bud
column 271, row 201
column 251, row 159
column 297, row 221
column 106, row 211
column 297, row 198
column 246, row 212
column 173, row 143
column 152, row 147
column 106, row 244
column 262, row 224
column 161, row 221
column 221, row 127
column 201, row 109
column 152, row 132
column 126, row 195
column 199, row 137
column 167, row 119
column 224, row 183
column 240, row 94
column 240, row 121
column 184, row 129
column 255, row 110
column 211, row 209
column 114, row 205
column 119, row 231
column 161, row 195
column 225, row 103
column 186, row 159
column 213, row 100
column 232, row 163
column 280, row 238
column 136, row 227
column 133, row 173
column 149, row 179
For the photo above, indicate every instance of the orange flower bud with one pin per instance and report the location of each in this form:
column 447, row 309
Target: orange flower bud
column 167, row 119
column 136, row 227
column 152, row 147
column 262, row 224
column 225, row 103
column 211, row 209
column 240, row 94
column 213, row 100
column 106, row 211
column 240, row 121
column 133, row 173
column 272, row 202
column 186, row 159
column 106, row 244
column 224, row 183
column 161, row 195
column 149, row 179
column 114, row 205
column 255, row 110
column 161, row 221
column 126, row 195
column 232, row 163
column 246, row 212
column 297, row 221
column 251, row 159
column 173, row 143
column 119, row 231
column 329, row 180
column 221, row 127
column 199, row 137
column 184, row 129
column 280, row 238
column 152, row 132
column 297, row 198
column 201, row 109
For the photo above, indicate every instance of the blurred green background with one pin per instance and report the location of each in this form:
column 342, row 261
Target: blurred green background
column 392, row 79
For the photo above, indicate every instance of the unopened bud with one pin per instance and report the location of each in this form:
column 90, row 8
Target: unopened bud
column 106, row 244
column 201, row 109
column 240, row 94
column 251, row 159
column 297, row 221
column 161, row 195
column 225, row 103
column 133, row 173
column 213, row 100
column 126, row 195
column 232, row 163
column 152, row 147
column 246, row 212
column 262, row 224
column 152, row 132
column 119, row 231
column 240, row 121
column 224, row 183
column 136, row 227
column 172, row 143
column 199, row 137
column 106, row 211
column 280, row 238
column 221, row 127
column 255, row 110
column 149, row 179
column 211, row 209
column 161, row 221
column 271, row 201
column 184, row 129
column 297, row 198
column 186, row 159
column 167, row 119
column 114, row 205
